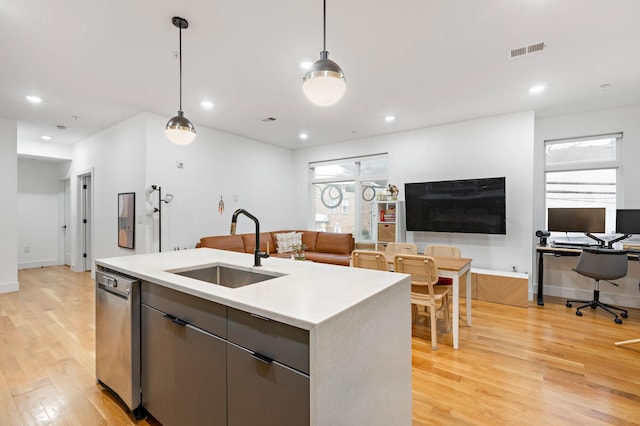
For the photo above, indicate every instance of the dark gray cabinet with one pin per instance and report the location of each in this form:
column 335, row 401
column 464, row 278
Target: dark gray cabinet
column 264, row 392
column 267, row 371
column 207, row 364
column 183, row 372
column 183, row 362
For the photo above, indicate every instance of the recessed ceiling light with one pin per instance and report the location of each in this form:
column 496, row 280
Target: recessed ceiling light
column 303, row 136
column 389, row 118
column 207, row 104
column 45, row 137
column 536, row 89
column 34, row 99
column 306, row 65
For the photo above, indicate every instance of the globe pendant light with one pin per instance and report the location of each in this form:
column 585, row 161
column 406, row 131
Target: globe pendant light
column 324, row 83
column 179, row 129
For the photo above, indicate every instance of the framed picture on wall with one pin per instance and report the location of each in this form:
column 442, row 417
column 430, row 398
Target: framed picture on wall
column 126, row 219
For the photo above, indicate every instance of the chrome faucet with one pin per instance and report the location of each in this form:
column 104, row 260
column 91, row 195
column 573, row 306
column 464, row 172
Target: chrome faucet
column 257, row 254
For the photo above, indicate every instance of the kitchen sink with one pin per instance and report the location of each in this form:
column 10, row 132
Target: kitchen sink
column 226, row 276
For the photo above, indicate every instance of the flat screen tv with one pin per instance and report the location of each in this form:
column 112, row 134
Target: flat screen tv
column 475, row 206
column 576, row 219
column 628, row 221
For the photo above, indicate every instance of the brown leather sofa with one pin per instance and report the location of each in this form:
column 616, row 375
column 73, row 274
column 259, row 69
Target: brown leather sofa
column 325, row 247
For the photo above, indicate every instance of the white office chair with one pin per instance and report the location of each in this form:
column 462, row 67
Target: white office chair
column 601, row 264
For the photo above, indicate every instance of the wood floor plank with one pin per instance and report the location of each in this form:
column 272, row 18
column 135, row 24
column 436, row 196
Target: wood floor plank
column 525, row 366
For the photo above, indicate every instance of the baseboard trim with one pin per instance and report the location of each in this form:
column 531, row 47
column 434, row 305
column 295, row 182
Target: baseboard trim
column 37, row 264
column 9, row 287
column 624, row 300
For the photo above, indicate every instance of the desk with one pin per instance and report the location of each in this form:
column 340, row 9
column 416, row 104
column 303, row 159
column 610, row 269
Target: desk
column 558, row 251
column 453, row 268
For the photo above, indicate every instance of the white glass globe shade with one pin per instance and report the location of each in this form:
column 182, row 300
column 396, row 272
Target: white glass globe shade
column 325, row 88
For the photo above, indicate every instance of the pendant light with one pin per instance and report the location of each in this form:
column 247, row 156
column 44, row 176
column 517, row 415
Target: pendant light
column 324, row 83
column 179, row 129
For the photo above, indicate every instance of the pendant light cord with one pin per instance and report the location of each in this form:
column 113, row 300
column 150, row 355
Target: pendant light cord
column 180, row 59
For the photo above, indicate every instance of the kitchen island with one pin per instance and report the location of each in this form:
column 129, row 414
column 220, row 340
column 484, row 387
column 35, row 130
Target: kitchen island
column 356, row 323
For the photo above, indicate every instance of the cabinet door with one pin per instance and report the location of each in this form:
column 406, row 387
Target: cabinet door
column 183, row 372
column 264, row 393
column 158, row 357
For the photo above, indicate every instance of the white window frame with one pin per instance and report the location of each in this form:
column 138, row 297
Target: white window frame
column 357, row 178
column 588, row 165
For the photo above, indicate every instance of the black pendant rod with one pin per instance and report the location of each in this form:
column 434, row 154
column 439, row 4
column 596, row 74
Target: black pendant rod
column 180, row 38
column 324, row 24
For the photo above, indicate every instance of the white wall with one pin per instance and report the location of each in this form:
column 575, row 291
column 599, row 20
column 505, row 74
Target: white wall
column 8, row 214
column 133, row 154
column 38, row 188
column 116, row 159
column 247, row 174
column 488, row 147
column 45, row 150
column 559, row 280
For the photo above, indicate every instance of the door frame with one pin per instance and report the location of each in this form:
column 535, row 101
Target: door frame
column 83, row 235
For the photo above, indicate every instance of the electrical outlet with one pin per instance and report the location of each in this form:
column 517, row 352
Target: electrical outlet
column 27, row 249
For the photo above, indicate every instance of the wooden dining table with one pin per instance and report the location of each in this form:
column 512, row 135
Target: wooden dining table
column 454, row 268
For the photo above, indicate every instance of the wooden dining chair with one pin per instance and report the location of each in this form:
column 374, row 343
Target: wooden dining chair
column 402, row 248
column 424, row 292
column 369, row 260
column 435, row 250
column 442, row 251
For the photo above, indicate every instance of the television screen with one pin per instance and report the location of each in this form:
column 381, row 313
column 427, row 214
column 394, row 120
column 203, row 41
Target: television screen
column 469, row 206
column 576, row 219
column 628, row 221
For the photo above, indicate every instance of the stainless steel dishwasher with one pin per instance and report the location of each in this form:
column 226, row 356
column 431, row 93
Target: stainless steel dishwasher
column 118, row 336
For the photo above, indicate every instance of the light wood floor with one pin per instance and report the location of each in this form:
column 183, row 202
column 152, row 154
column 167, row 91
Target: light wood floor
column 541, row 365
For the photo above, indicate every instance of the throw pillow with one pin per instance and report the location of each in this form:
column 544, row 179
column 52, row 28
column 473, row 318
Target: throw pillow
column 288, row 242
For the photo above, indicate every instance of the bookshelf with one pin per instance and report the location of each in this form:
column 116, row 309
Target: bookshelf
column 389, row 222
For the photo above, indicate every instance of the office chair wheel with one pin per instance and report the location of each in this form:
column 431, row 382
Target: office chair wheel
column 569, row 305
column 618, row 321
column 624, row 315
column 579, row 313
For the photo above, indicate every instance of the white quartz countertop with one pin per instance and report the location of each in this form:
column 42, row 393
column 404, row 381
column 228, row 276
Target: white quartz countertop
column 306, row 294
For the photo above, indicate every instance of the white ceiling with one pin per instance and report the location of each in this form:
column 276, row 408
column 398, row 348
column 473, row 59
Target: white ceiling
column 427, row 62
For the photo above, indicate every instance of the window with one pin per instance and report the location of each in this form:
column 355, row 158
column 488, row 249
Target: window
column 342, row 192
column 345, row 206
column 583, row 172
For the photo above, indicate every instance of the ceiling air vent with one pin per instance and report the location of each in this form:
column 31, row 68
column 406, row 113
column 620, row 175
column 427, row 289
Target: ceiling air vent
column 525, row 50
column 268, row 119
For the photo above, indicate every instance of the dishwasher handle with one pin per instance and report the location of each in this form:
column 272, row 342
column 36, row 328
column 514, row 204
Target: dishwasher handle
column 115, row 284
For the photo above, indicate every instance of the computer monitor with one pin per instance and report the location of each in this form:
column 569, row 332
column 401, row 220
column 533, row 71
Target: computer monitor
column 628, row 221
column 576, row 219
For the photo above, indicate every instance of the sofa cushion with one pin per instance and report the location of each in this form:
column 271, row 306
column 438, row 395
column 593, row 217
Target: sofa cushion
column 309, row 239
column 332, row 242
column 288, row 242
column 250, row 242
column 224, row 242
column 330, row 258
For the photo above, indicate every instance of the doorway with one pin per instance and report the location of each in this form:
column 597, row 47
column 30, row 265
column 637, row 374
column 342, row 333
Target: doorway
column 85, row 222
